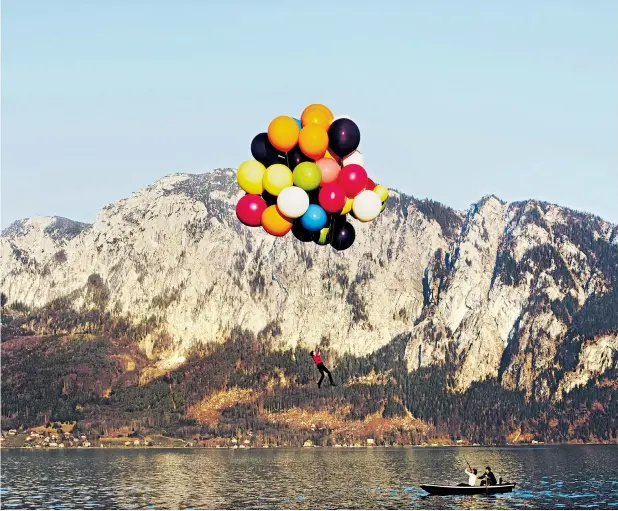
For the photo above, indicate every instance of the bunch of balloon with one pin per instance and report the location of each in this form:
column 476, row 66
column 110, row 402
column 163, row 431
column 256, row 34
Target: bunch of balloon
column 306, row 176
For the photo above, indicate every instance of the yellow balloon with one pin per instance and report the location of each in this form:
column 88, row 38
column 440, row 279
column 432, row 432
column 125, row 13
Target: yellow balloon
column 328, row 155
column 382, row 192
column 276, row 178
column 348, row 206
column 324, row 239
column 250, row 175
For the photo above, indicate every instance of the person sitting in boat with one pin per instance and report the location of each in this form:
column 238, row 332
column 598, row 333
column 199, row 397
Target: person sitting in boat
column 472, row 473
column 489, row 477
column 472, row 477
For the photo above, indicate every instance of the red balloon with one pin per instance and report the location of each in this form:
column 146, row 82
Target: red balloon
column 332, row 198
column 250, row 208
column 370, row 184
column 353, row 179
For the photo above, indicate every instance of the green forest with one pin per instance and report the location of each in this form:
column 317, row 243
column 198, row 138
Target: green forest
column 61, row 365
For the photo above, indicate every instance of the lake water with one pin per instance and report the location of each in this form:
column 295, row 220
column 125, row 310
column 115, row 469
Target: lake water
column 378, row 478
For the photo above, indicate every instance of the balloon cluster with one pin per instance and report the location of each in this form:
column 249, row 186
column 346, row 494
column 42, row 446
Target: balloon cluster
column 306, row 176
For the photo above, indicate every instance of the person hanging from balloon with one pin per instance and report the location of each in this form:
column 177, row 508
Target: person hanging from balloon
column 307, row 175
column 315, row 355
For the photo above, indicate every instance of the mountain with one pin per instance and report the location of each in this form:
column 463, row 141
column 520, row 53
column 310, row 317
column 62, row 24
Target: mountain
column 520, row 298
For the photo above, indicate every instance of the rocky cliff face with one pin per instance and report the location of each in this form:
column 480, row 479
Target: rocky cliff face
column 524, row 292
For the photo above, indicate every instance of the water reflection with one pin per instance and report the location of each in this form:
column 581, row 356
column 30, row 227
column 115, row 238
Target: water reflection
column 548, row 477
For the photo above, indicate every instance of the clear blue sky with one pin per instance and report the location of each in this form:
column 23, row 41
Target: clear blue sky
column 454, row 99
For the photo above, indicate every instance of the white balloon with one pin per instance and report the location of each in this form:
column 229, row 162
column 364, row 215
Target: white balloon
column 356, row 157
column 293, row 201
column 366, row 205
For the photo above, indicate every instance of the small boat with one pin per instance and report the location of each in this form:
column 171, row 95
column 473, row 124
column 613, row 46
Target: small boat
column 436, row 489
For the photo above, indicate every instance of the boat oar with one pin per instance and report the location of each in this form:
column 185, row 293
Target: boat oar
column 468, row 463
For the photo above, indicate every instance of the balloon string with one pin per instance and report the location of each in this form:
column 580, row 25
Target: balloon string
column 273, row 256
column 273, row 260
column 330, row 233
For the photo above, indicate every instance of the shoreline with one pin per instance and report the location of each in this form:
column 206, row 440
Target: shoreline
column 396, row 447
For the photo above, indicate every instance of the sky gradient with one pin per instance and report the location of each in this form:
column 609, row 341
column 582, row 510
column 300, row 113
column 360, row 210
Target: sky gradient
column 455, row 100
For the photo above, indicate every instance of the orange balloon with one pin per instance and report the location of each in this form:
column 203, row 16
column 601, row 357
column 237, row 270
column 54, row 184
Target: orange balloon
column 318, row 105
column 275, row 222
column 313, row 141
column 317, row 114
column 283, row 133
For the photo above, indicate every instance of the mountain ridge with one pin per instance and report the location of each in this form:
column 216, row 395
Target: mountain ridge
column 18, row 224
column 502, row 281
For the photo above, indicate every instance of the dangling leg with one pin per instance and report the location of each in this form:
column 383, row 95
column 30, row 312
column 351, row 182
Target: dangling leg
column 330, row 377
column 321, row 377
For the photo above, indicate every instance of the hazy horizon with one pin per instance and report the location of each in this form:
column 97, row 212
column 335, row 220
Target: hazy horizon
column 454, row 102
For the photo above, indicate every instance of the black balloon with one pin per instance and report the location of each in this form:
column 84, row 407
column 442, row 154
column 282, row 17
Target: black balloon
column 343, row 137
column 295, row 156
column 269, row 198
column 314, row 196
column 335, row 220
column 300, row 233
column 264, row 152
column 343, row 236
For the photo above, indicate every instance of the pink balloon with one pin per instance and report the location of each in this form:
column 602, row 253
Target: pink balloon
column 249, row 209
column 353, row 179
column 332, row 198
column 330, row 170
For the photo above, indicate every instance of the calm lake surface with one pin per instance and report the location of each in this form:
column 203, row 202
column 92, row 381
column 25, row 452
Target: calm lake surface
column 566, row 477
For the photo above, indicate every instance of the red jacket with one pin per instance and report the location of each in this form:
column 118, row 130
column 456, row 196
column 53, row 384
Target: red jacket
column 316, row 357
